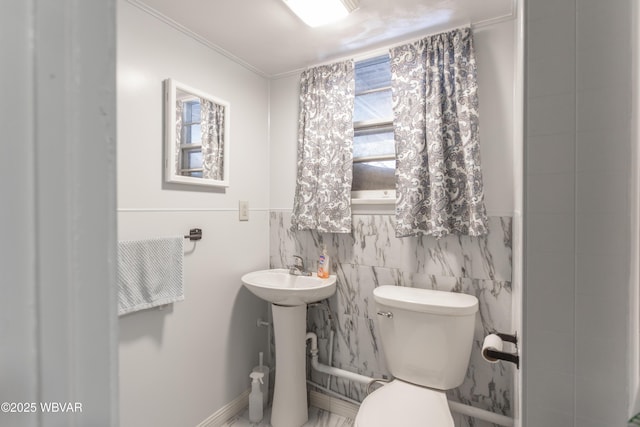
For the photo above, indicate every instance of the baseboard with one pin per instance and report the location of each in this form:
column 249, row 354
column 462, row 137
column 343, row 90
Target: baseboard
column 317, row 399
column 228, row 411
column 332, row 404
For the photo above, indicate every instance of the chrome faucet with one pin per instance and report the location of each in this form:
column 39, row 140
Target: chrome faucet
column 297, row 269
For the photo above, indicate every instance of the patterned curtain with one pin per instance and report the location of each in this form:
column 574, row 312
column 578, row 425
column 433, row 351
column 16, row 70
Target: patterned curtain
column 435, row 106
column 179, row 115
column 325, row 154
column 212, row 127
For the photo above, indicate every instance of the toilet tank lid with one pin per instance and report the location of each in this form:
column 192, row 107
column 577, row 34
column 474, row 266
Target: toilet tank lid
column 426, row 300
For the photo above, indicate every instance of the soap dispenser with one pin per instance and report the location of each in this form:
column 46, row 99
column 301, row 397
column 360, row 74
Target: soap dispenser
column 323, row 264
column 255, row 397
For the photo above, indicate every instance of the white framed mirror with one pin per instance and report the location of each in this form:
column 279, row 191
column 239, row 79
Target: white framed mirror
column 196, row 136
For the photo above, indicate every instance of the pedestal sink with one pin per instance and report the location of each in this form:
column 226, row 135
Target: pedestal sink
column 289, row 296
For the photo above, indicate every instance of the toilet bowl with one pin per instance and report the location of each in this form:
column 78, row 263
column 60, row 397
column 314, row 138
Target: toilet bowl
column 426, row 338
column 402, row 404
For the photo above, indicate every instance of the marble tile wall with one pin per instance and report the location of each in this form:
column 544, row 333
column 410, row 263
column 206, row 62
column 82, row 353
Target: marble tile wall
column 372, row 256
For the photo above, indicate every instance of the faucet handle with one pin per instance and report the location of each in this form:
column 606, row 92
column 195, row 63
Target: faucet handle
column 298, row 262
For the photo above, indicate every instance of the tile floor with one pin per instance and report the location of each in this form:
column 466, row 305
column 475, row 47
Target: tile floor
column 317, row 418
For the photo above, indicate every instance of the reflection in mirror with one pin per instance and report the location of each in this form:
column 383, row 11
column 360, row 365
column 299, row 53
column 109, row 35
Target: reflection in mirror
column 197, row 137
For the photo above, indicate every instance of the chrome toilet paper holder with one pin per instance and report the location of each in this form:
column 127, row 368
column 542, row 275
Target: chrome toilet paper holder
column 514, row 358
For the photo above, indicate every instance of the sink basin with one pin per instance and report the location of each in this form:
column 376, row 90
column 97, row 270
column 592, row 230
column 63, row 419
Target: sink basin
column 279, row 287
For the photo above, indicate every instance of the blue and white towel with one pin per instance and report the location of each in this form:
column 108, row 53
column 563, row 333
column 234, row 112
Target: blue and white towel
column 149, row 273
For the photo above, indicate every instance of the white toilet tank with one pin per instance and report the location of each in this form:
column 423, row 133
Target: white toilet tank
column 426, row 334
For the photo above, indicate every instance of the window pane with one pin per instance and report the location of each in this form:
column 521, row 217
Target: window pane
column 373, row 73
column 192, row 112
column 373, row 103
column 192, row 134
column 373, row 106
column 374, row 176
column 373, row 144
column 191, row 159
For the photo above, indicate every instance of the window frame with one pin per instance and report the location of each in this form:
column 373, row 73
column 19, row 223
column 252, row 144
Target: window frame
column 172, row 91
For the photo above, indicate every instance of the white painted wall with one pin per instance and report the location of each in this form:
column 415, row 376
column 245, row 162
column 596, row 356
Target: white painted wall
column 181, row 364
column 283, row 140
column 496, row 56
column 577, row 216
column 495, row 52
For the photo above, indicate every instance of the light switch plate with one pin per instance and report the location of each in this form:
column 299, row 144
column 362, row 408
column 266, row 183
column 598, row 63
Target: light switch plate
column 243, row 210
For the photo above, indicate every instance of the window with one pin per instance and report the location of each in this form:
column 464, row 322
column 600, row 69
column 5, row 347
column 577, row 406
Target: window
column 191, row 139
column 373, row 144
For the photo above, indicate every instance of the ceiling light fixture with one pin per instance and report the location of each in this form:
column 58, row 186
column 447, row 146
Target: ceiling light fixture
column 320, row 12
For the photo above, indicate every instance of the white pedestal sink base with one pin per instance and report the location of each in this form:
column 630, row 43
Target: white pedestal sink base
column 290, row 390
column 289, row 295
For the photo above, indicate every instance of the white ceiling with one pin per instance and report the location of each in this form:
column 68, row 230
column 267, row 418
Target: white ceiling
column 268, row 38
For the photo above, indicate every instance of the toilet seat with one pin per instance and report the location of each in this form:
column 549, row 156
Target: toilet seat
column 402, row 404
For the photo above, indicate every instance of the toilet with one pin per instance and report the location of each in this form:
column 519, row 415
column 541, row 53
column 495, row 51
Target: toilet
column 426, row 337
